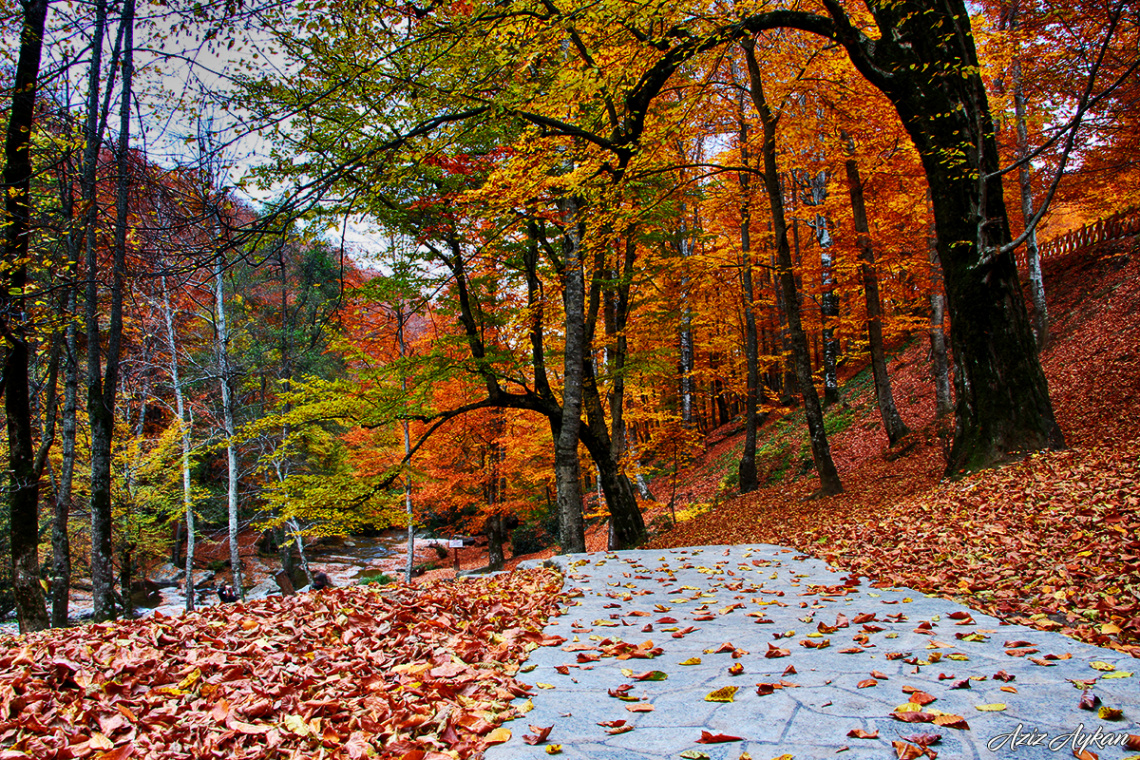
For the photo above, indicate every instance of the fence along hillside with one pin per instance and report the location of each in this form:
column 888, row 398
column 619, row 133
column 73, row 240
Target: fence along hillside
column 1120, row 225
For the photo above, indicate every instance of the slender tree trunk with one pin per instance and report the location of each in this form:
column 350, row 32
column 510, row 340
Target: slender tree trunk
column 118, row 283
column 102, row 384
column 23, row 496
column 896, row 429
column 1025, row 185
column 747, row 468
column 60, row 539
column 943, row 403
column 567, row 476
column 299, row 538
column 789, row 387
column 403, row 346
column 686, row 354
column 821, row 450
column 828, row 299
column 180, row 410
column 495, row 526
column 225, row 379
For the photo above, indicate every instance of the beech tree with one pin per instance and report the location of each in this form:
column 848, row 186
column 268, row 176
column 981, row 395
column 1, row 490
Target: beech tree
column 25, row 469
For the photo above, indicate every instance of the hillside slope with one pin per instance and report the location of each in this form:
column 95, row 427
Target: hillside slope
column 1051, row 541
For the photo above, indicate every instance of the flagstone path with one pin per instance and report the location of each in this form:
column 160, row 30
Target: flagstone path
column 653, row 638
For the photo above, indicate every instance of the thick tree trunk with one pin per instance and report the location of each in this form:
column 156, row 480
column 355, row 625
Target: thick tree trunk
column 926, row 64
column 23, row 500
column 567, row 476
column 821, row 450
column 896, row 429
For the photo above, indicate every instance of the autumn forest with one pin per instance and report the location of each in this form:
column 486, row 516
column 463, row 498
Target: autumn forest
column 319, row 268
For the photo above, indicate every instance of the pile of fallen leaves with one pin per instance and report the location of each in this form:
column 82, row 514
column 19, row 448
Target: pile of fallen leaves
column 1051, row 541
column 409, row 672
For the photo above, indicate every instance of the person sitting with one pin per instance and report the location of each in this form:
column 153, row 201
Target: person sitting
column 227, row 593
column 321, row 582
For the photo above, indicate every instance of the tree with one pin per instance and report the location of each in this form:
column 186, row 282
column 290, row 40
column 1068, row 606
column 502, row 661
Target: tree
column 24, row 492
column 820, row 448
column 892, row 422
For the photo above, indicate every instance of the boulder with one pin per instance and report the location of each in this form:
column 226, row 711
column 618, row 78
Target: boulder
column 167, row 575
column 267, row 587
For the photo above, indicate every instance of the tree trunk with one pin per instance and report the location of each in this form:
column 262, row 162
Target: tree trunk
column 747, row 468
column 892, row 422
column 180, row 410
column 224, row 377
column 943, row 403
column 929, row 70
column 821, row 450
column 567, row 477
column 100, row 416
column 403, row 346
column 23, row 498
column 828, row 299
column 1025, row 186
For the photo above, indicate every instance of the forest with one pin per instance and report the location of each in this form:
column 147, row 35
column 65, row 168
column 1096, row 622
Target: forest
column 324, row 267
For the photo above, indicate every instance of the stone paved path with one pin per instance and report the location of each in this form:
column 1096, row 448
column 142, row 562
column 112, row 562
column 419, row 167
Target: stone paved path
column 740, row 606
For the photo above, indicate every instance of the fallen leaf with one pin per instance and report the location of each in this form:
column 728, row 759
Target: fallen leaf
column 905, row 751
column 858, row 733
column 723, row 694
column 539, row 735
column 708, row 738
column 498, row 736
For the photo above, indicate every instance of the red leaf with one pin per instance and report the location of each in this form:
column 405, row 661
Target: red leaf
column 539, row 735
column 906, row 751
column 858, row 733
column 707, row 738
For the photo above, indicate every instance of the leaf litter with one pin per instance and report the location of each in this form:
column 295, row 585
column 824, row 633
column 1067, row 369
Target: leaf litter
column 345, row 673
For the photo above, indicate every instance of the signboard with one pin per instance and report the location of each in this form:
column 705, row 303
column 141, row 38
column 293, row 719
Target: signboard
column 455, row 543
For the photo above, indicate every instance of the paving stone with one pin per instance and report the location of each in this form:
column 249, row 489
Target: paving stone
column 704, row 599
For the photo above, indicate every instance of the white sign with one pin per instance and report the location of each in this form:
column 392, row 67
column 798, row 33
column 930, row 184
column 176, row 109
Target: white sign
column 455, row 543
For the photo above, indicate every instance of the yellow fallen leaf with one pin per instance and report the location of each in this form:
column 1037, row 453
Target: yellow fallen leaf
column 554, row 749
column 1118, row 674
column 1109, row 629
column 692, row 661
column 723, row 694
column 909, row 707
column 1098, row 665
column 499, row 735
column 544, row 685
column 1010, row 689
column 995, row 707
column 526, row 707
column 296, row 724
